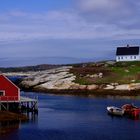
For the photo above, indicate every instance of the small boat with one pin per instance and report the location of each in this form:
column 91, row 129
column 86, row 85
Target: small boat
column 112, row 110
column 129, row 107
column 131, row 110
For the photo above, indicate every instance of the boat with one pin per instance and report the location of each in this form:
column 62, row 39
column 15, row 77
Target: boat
column 112, row 110
column 131, row 110
column 129, row 107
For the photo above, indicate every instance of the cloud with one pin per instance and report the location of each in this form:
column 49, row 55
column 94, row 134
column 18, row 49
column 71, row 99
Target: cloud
column 86, row 28
column 93, row 5
column 48, row 25
column 102, row 19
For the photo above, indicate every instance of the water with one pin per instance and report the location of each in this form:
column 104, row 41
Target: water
column 76, row 118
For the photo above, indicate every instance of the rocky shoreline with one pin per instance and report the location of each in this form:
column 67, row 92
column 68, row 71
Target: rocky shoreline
column 62, row 81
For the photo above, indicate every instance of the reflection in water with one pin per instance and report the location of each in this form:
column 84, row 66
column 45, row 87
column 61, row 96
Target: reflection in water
column 33, row 117
column 7, row 127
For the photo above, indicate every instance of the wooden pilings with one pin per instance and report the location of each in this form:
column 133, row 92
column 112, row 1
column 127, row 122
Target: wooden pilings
column 31, row 106
column 24, row 105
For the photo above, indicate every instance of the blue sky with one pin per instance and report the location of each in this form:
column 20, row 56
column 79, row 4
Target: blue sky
column 34, row 5
column 80, row 30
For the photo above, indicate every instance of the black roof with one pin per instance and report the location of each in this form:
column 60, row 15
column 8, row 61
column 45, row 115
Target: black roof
column 127, row 50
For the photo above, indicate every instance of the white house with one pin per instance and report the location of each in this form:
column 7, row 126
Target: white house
column 128, row 53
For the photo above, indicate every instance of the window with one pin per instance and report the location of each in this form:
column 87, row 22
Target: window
column 122, row 57
column 118, row 57
column 131, row 57
column 1, row 93
column 134, row 57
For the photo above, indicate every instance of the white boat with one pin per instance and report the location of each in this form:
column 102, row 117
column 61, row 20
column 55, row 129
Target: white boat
column 115, row 111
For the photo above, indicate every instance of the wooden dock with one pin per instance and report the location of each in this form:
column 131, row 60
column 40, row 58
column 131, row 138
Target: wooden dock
column 25, row 104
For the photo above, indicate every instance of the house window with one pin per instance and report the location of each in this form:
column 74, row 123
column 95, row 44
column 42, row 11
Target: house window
column 118, row 57
column 134, row 57
column 1, row 93
column 122, row 57
column 131, row 57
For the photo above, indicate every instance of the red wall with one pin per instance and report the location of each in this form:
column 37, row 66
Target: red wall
column 11, row 91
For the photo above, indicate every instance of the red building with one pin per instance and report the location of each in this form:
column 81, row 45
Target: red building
column 9, row 92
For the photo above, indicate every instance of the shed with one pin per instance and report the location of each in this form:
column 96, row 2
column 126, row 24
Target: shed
column 9, row 92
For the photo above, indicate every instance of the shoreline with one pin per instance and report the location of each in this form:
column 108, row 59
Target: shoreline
column 79, row 92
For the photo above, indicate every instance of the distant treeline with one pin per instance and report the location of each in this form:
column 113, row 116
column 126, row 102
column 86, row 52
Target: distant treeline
column 29, row 68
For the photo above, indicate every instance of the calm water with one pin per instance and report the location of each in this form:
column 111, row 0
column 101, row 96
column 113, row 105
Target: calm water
column 76, row 118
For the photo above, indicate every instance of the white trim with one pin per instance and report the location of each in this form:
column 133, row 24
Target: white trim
column 127, row 58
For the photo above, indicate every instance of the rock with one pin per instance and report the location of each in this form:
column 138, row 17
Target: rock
column 126, row 70
column 109, row 87
column 123, row 87
column 134, row 86
column 114, row 84
column 77, row 86
column 100, row 75
column 133, row 81
column 93, row 76
column 110, row 62
column 92, row 87
column 82, row 87
column 74, row 86
column 58, row 78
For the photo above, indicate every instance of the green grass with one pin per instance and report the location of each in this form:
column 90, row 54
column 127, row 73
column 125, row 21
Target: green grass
column 131, row 70
column 121, row 72
column 83, row 81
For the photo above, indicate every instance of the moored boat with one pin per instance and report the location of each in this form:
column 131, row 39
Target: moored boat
column 131, row 110
column 115, row 111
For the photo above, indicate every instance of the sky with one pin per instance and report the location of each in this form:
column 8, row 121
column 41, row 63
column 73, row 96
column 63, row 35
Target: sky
column 65, row 31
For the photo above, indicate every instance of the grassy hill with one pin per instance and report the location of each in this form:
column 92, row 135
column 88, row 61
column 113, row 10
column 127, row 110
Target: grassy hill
column 104, row 72
column 107, row 72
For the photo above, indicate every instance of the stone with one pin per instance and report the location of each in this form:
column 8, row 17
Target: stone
column 58, row 78
column 110, row 62
column 100, row 75
column 114, row 84
column 126, row 70
column 123, row 87
column 109, row 87
column 92, row 87
column 82, row 87
column 134, row 86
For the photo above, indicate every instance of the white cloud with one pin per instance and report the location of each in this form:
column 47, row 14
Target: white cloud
column 91, row 5
column 19, row 25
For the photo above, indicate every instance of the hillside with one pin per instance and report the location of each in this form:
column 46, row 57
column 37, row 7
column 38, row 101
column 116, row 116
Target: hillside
column 107, row 77
column 107, row 72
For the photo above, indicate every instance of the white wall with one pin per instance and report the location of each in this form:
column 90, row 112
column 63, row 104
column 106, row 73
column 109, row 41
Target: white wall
column 128, row 58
